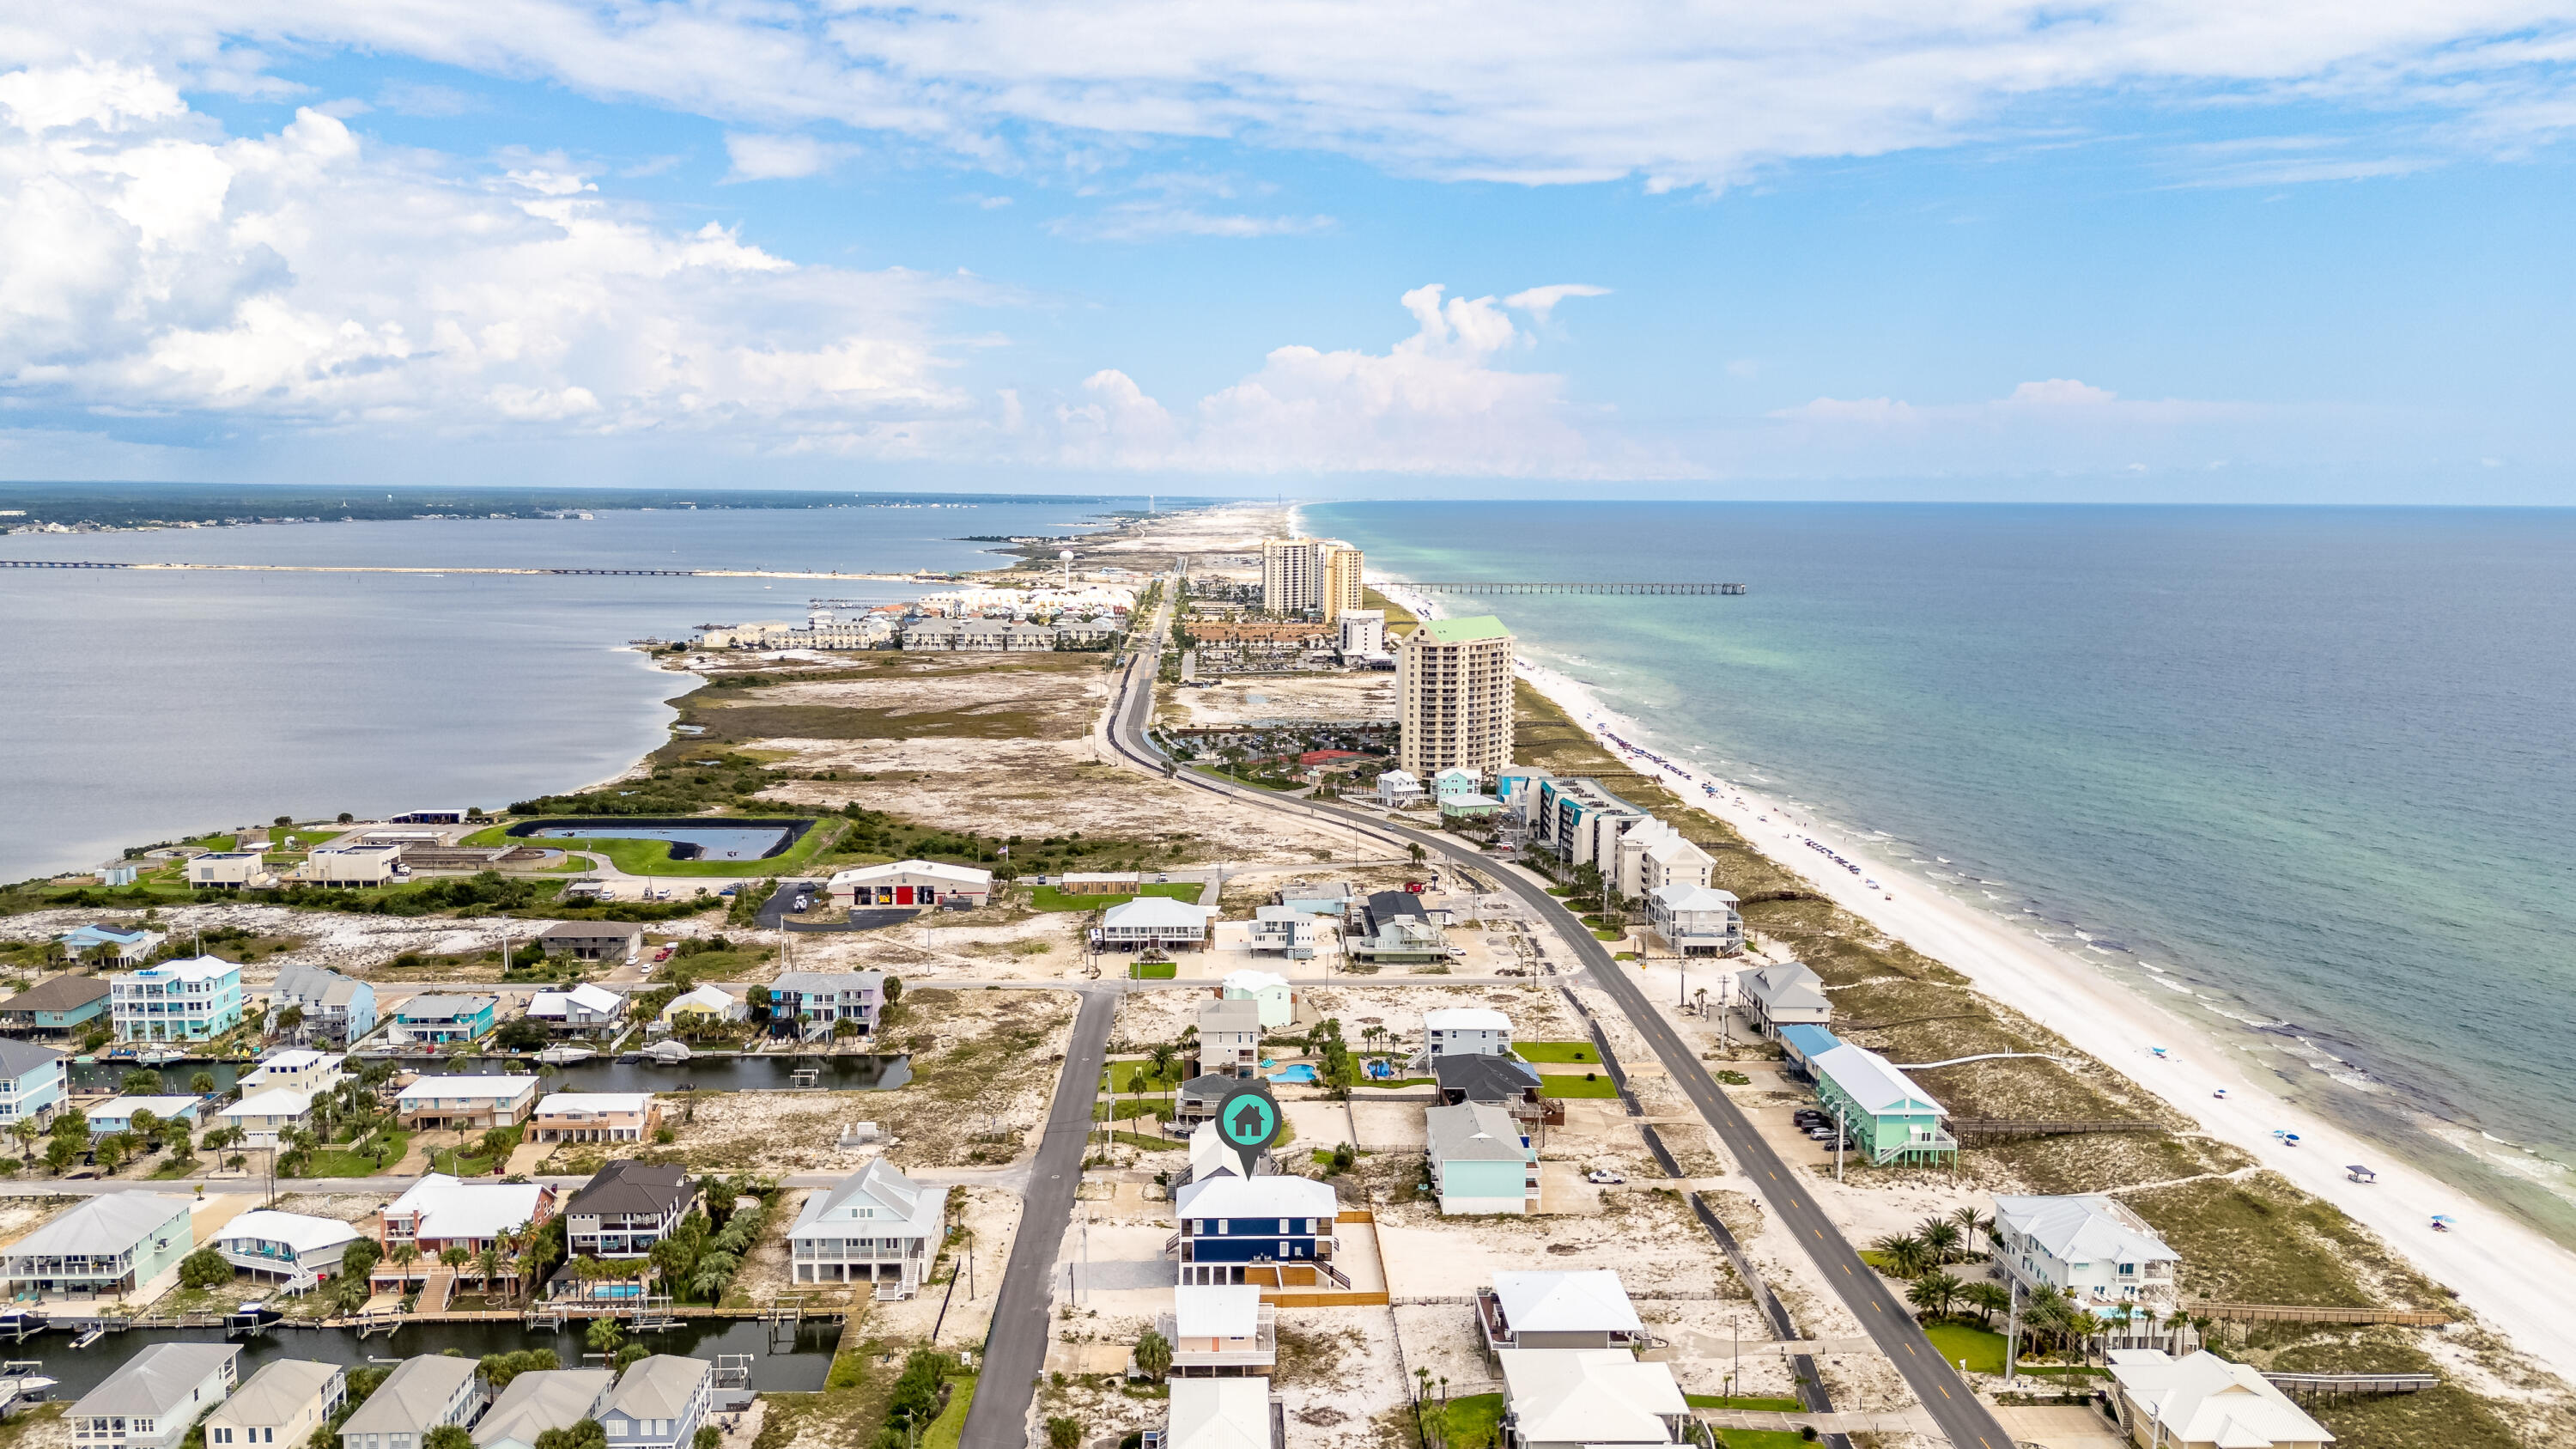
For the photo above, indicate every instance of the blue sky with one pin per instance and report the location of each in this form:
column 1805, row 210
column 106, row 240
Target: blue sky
column 1975, row 250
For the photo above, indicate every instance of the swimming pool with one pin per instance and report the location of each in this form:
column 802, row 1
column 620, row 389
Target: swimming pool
column 1294, row 1072
column 709, row 839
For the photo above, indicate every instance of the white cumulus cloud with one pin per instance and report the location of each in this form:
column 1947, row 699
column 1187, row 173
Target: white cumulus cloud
column 151, row 263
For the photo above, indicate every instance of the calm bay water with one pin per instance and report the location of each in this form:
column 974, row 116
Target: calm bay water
column 140, row 706
column 2312, row 765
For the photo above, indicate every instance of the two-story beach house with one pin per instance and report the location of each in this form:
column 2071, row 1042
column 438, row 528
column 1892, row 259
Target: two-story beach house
column 593, row 940
column 262, row 1116
column 283, row 1403
column 1157, row 921
column 1278, row 1001
column 105, row 1247
column 440, row 1212
column 156, row 1398
column 333, row 1008
column 421, row 1394
column 626, row 1208
column 1283, row 931
column 297, row 1070
column 1273, row 1230
column 32, row 1083
column 595, row 1117
column 1570, row 1398
column 2098, row 1252
column 1480, row 1161
column 1782, row 994
column 58, row 1006
column 874, row 1226
column 190, row 1000
column 2204, row 1402
column 1466, row 1029
column 541, row 1400
column 1220, row 1331
column 286, row 1245
column 1229, row 1037
column 1695, row 920
column 464, row 1103
column 435, row 1018
column 659, row 1402
column 1585, row 1308
column 585, row 1010
column 1884, row 1115
column 815, row 1003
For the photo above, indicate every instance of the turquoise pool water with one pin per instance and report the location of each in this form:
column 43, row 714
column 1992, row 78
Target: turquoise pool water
column 1298, row 1072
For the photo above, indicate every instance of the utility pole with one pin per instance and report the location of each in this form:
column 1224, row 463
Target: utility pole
column 2012, row 1333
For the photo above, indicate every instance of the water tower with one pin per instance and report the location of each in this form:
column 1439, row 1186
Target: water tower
column 1067, row 556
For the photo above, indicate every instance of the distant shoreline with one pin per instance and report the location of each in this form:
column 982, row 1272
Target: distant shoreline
column 2489, row 1259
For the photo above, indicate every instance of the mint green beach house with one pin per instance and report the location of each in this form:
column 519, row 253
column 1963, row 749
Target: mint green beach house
column 1888, row 1117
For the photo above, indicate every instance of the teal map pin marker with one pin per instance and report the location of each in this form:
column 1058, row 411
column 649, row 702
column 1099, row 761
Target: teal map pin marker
column 1249, row 1119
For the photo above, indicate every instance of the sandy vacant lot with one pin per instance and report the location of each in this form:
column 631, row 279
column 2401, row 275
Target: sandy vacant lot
column 1275, row 697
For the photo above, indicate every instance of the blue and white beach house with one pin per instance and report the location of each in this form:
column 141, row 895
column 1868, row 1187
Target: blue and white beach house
column 190, row 1000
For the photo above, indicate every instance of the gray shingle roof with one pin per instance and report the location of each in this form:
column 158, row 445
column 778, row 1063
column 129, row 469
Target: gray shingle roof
column 658, row 1387
column 156, row 1382
column 541, row 1400
column 18, row 1058
column 57, row 993
column 1473, row 1132
column 412, row 1398
column 627, row 1186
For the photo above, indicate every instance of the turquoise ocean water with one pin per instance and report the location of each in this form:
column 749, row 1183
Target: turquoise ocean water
column 2305, row 771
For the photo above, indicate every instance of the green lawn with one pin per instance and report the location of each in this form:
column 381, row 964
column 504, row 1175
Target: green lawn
column 1137, row 1076
column 1398, row 1082
column 1720, row 1401
column 1153, row 970
column 1125, row 1109
column 1566, row 1084
column 944, row 1430
column 1048, row 898
column 653, row 857
column 1984, row 1351
column 1556, row 1051
column 1761, row 1439
column 1473, row 1419
column 341, row 1162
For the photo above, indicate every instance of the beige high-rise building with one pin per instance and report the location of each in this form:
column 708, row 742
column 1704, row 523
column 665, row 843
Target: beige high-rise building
column 1288, row 583
column 1298, row 574
column 1453, row 686
column 1341, row 589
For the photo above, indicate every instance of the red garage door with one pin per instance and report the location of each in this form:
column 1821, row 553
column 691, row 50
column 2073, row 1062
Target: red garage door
column 903, row 895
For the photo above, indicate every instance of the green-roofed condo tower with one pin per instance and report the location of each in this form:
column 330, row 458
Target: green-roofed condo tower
column 1453, row 686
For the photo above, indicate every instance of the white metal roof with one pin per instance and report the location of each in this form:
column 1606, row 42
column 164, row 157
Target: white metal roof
column 300, row 1231
column 499, row 1088
column 449, row 1208
column 1873, row 1083
column 157, row 1106
column 1249, row 982
column 1157, row 911
column 2204, row 1399
column 1220, row 1414
column 2085, row 1228
column 1217, row 1310
column 964, row 875
column 104, row 1226
column 1465, row 1018
column 1591, row 1301
column 275, row 1102
column 195, row 968
column 1590, row 1395
column 1682, row 896
column 556, row 1103
column 1272, row 1195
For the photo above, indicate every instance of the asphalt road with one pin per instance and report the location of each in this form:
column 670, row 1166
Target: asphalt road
column 1015, row 1350
column 1953, row 1407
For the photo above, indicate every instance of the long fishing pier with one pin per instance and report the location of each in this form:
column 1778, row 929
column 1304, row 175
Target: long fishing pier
column 1525, row 587
column 33, row 563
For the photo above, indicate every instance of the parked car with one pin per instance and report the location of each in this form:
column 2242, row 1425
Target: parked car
column 804, row 903
column 1602, row 1174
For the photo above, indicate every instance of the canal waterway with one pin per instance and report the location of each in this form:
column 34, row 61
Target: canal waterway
column 798, row 1365
column 715, row 1073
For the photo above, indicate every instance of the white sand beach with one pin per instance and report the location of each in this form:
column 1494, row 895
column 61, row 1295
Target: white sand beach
column 2517, row 1280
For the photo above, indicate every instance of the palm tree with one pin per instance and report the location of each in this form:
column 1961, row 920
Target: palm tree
column 202, row 1083
column 1988, row 1298
column 2085, row 1327
column 489, row 1263
column 1942, row 1237
column 1934, row 1293
column 1967, row 1222
column 1906, row 1256
column 1153, row 1354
